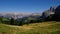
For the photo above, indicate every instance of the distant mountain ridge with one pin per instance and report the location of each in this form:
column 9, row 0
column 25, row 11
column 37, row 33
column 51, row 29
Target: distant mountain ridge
column 17, row 15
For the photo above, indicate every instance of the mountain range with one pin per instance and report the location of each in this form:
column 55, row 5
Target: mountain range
column 16, row 15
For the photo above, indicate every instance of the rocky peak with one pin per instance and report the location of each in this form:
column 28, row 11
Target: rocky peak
column 49, row 12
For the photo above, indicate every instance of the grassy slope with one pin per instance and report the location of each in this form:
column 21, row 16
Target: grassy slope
column 35, row 28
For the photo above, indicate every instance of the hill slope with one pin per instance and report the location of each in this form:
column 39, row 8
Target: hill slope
column 35, row 28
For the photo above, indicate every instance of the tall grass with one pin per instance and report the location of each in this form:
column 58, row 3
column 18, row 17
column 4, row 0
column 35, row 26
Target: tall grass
column 35, row 28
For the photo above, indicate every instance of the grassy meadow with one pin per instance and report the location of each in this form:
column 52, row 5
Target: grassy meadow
column 35, row 28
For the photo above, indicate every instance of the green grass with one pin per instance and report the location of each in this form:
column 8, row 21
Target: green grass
column 35, row 28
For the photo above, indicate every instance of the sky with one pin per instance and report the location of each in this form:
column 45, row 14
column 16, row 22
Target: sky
column 31, row 6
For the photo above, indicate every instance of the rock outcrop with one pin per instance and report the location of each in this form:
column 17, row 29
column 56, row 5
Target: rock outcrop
column 57, row 14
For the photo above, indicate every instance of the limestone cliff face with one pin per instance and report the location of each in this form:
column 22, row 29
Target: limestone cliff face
column 49, row 12
column 57, row 11
column 57, row 14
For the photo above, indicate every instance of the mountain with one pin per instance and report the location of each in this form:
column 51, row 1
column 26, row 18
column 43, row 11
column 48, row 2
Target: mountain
column 48, row 12
column 57, row 11
column 18, row 15
column 57, row 14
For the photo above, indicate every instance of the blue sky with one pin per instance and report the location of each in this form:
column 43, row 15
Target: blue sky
column 27, row 5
